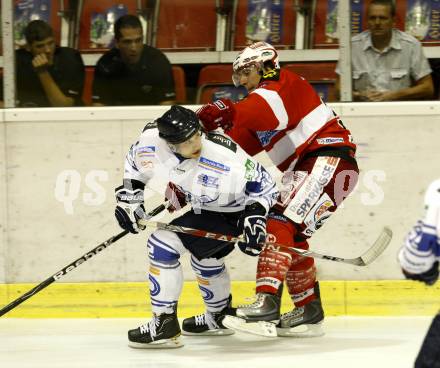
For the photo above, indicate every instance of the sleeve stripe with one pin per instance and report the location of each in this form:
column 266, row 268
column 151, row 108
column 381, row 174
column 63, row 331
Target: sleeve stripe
column 294, row 138
column 275, row 102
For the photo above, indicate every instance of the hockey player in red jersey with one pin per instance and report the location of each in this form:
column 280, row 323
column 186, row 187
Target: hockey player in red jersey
column 309, row 144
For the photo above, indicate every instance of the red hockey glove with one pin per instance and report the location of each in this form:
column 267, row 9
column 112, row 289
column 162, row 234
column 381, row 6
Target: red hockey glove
column 175, row 196
column 217, row 114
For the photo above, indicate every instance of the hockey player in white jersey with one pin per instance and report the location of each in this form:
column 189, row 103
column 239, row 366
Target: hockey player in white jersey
column 229, row 193
column 419, row 258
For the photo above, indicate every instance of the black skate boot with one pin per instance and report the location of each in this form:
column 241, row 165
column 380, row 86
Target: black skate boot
column 162, row 332
column 208, row 324
column 304, row 321
column 259, row 318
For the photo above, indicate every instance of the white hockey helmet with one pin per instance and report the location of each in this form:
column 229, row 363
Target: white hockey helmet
column 258, row 54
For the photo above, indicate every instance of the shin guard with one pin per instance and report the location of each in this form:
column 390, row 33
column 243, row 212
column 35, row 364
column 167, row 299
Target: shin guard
column 271, row 270
column 214, row 282
column 273, row 263
column 301, row 277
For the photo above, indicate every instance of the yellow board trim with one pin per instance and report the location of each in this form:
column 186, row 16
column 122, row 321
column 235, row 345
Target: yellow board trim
column 131, row 299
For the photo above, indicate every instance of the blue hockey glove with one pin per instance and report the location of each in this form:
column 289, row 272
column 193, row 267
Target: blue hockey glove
column 253, row 225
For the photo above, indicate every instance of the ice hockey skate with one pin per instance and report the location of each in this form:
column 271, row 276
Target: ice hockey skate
column 208, row 324
column 303, row 321
column 259, row 318
column 162, row 332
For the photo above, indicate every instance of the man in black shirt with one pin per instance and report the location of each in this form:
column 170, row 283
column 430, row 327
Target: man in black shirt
column 47, row 75
column 132, row 73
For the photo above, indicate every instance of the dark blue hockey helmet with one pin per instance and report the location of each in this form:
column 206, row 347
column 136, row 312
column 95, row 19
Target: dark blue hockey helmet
column 178, row 124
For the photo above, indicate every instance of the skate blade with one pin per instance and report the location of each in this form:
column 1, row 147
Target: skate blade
column 172, row 343
column 260, row 328
column 217, row 332
column 312, row 330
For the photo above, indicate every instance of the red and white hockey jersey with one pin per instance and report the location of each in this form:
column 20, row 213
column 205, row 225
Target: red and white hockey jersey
column 287, row 119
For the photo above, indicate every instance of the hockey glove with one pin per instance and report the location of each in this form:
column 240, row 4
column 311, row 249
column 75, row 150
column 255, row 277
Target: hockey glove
column 429, row 277
column 217, row 114
column 130, row 206
column 175, row 196
column 253, row 224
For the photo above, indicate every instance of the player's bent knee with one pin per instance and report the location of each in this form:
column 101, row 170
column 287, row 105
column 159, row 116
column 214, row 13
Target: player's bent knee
column 207, row 268
column 163, row 248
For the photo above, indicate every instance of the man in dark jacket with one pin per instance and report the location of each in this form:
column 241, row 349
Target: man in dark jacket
column 132, row 73
column 47, row 75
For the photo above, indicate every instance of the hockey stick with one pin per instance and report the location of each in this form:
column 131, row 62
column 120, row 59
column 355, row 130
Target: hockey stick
column 366, row 258
column 76, row 263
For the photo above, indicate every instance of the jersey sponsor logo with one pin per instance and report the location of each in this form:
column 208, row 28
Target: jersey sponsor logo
column 311, row 190
column 290, row 184
column 310, row 231
column 207, row 181
column 330, row 140
column 250, row 170
column 316, row 188
column 265, row 136
column 213, row 165
column 318, row 214
column 146, row 151
column 222, row 140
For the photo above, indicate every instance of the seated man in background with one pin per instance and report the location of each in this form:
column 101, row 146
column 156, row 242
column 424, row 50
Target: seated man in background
column 47, row 75
column 387, row 64
column 132, row 73
column 419, row 258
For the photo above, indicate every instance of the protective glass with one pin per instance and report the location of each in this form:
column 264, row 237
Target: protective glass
column 244, row 71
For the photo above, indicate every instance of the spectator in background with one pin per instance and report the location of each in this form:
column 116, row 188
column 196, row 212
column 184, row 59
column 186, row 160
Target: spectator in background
column 47, row 75
column 132, row 73
column 387, row 64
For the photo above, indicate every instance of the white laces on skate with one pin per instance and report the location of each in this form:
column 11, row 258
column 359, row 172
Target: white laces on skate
column 150, row 326
column 206, row 319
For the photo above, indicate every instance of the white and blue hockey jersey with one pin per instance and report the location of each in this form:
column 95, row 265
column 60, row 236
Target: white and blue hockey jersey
column 422, row 245
column 223, row 178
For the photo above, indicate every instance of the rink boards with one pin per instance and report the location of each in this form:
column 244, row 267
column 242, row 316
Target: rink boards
column 128, row 300
column 59, row 168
